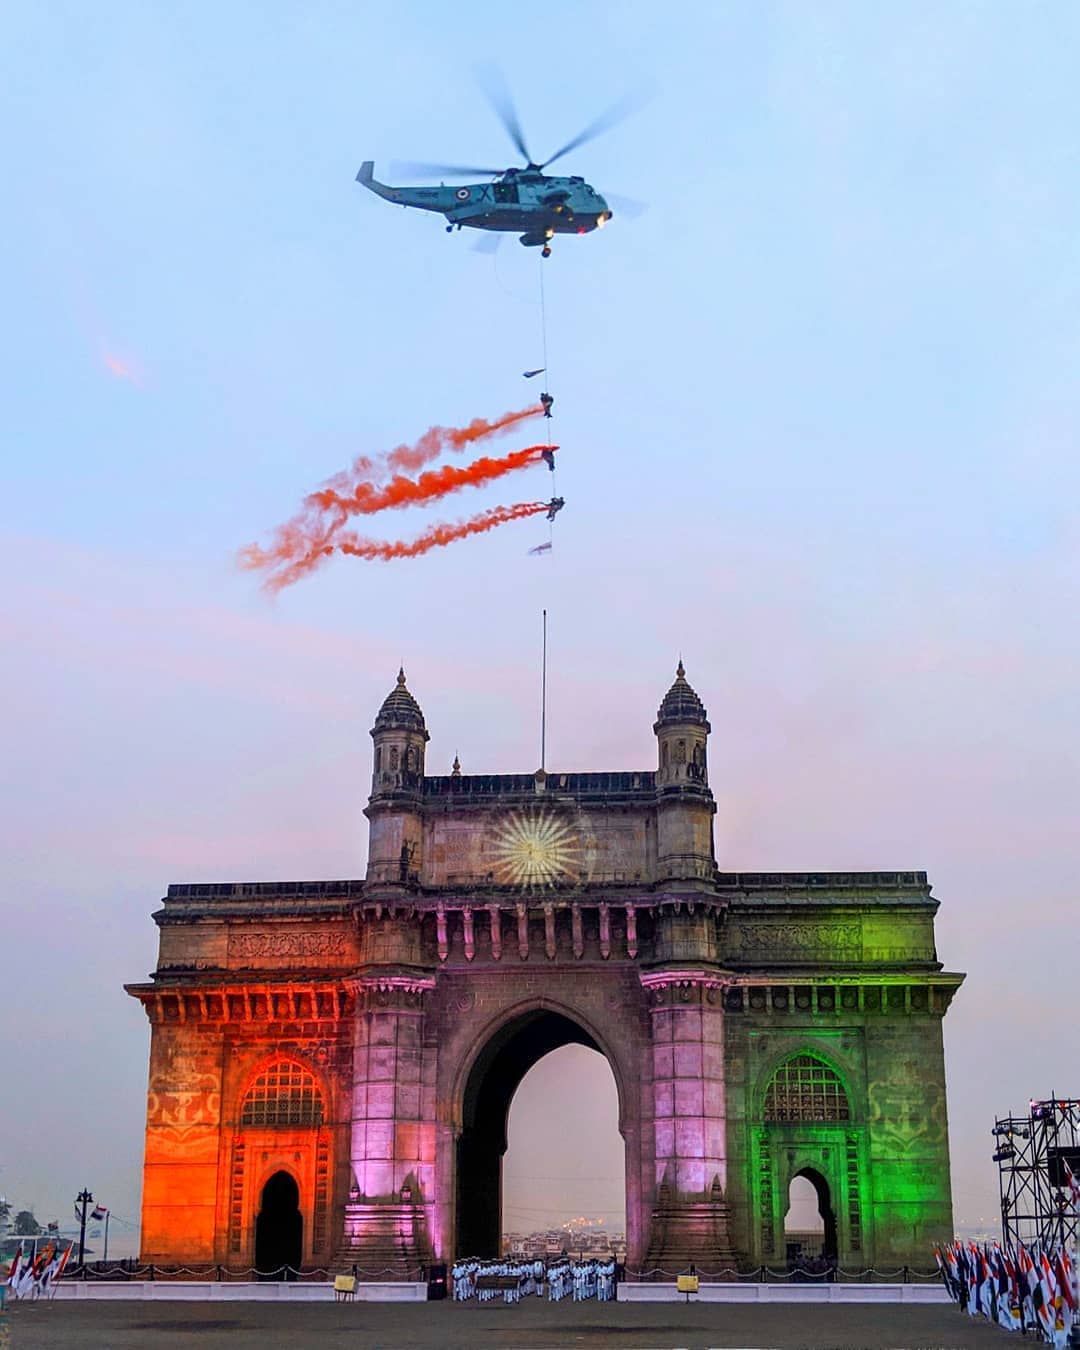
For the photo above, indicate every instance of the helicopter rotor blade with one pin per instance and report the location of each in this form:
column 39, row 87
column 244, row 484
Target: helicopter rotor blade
column 493, row 84
column 413, row 169
column 611, row 117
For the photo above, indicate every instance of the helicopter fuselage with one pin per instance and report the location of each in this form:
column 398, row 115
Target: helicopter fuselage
column 537, row 204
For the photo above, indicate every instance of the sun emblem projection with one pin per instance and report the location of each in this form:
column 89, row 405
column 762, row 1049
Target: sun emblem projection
column 536, row 851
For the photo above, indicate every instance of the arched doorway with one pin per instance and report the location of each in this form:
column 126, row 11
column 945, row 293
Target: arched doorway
column 564, row 1167
column 810, row 1221
column 279, row 1228
column 491, row 1084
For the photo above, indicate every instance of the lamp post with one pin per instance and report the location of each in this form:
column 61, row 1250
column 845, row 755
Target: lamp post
column 82, row 1200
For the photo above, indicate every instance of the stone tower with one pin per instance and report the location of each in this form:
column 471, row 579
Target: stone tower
column 684, row 844
column 397, row 781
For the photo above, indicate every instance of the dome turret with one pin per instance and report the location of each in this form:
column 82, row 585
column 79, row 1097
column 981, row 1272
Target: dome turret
column 681, row 705
column 400, row 735
column 684, row 844
column 395, row 844
column 400, row 710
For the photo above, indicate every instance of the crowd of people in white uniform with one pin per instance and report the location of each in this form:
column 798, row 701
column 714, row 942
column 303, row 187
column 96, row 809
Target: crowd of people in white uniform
column 562, row 1279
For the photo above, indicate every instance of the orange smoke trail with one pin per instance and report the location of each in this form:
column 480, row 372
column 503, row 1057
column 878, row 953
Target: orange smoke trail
column 367, row 498
column 298, row 548
column 430, row 445
column 303, row 543
column 438, row 536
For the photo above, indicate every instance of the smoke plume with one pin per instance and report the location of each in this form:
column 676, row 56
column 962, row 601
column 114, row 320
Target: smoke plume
column 301, row 544
column 367, row 498
column 437, row 536
column 430, row 446
column 372, row 485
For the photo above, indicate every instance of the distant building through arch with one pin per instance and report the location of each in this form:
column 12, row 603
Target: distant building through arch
column 365, row 1037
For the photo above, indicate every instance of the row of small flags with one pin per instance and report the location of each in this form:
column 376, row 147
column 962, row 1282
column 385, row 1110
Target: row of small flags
column 1037, row 1290
column 34, row 1276
column 1034, row 1291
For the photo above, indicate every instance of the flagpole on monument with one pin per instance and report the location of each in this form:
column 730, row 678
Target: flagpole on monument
column 105, row 1255
column 543, row 700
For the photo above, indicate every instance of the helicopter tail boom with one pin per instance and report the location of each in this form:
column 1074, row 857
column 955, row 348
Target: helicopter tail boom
column 440, row 199
column 366, row 178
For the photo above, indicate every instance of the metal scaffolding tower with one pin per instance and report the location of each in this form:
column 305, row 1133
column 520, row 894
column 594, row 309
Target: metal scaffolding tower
column 1031, row 1154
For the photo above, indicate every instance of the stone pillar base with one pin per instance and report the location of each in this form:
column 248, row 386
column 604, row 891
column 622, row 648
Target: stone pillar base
column 386, row 1242
column 681, row 1235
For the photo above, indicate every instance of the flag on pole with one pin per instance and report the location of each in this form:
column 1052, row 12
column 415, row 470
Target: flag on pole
column 98, row 1213
column 48, row 1275
column 60, row 1267
column 1004, row 1280
column 1045, row 1307
column 1028, row 1283
column 13, row 1273
column 27, row 1277
column 1065, row 1278
column 1073, row 1183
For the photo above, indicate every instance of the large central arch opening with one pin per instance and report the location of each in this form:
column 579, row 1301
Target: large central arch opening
column 494, row 1079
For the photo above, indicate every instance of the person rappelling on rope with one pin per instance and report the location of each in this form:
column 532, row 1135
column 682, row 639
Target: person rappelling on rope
column 547, row 401
column 554, row 507
column 548, row 456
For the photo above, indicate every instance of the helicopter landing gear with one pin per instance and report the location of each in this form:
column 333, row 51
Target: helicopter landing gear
column 449, row 229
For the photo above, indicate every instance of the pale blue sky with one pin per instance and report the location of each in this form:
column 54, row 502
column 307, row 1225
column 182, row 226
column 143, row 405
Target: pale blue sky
column 818, row 410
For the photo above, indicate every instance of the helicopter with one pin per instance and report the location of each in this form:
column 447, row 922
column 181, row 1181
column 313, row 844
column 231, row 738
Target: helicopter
column 519, row 198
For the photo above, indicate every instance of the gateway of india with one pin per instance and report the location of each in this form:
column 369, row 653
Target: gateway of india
column 332, row 1062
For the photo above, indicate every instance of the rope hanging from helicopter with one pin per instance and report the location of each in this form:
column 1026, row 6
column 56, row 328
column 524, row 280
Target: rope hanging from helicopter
column 547, row 395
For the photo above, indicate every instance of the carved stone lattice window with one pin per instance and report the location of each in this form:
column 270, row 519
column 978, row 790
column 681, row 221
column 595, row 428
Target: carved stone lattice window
column 283, row 1094
column 805, row 1088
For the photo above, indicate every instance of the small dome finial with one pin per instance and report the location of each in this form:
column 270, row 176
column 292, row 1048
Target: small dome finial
column 455, row 771
column 400, row 709
column 681, row 704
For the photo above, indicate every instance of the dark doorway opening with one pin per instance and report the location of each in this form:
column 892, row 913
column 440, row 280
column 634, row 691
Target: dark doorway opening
column 809, row 1237
column 494, row 1079
column 279, row 1229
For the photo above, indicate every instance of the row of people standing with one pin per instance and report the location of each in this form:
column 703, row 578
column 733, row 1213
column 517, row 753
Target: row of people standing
column 487, row 1280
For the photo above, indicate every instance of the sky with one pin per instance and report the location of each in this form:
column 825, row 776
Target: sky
column 818, row 412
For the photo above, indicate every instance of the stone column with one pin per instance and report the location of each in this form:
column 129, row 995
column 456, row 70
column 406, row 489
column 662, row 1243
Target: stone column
column 389, row 1212
column 689, row 1217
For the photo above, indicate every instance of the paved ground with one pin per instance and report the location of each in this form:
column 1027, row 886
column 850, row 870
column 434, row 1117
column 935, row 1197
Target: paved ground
column 531, row 1325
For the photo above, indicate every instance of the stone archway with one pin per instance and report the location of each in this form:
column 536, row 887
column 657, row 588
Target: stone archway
column 279, row 1228
column 493, row 1078
column 829, row 1240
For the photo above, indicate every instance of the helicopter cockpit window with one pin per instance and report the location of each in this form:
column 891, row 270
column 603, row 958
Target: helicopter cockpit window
column 506, row 192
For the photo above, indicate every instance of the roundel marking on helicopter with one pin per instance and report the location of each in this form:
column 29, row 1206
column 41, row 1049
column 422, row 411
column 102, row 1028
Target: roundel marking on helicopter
column 463, row 194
